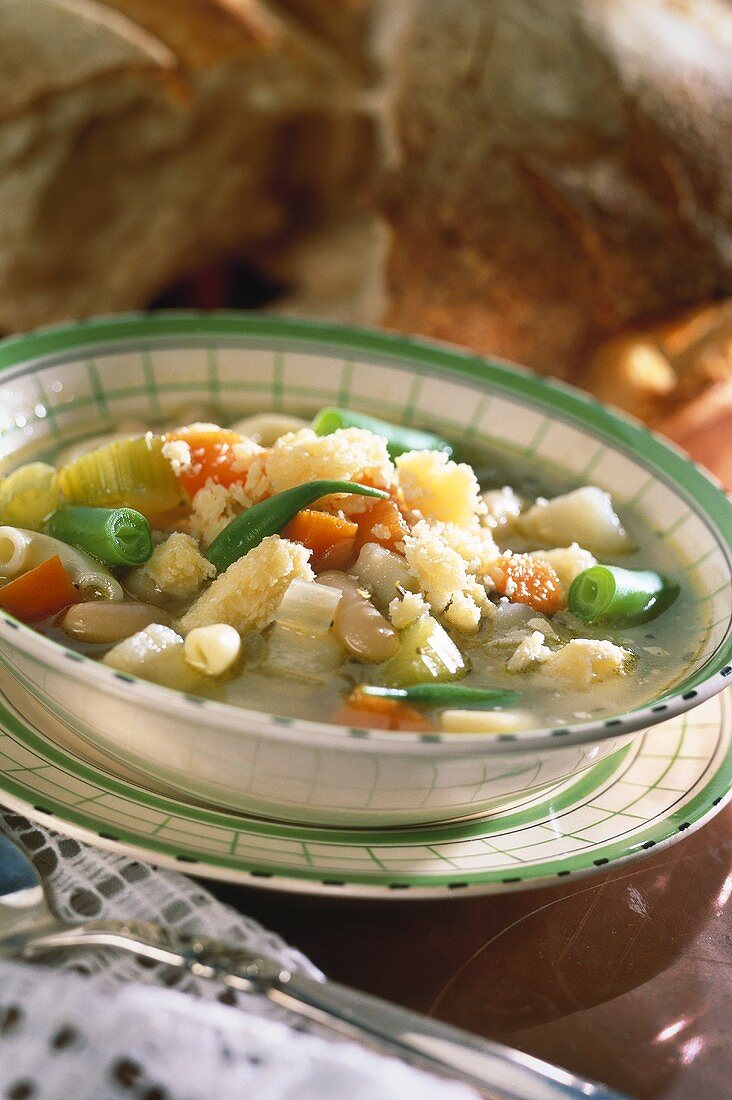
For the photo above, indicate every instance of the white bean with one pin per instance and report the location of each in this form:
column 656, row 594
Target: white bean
column 105, row 621
column 363, row 630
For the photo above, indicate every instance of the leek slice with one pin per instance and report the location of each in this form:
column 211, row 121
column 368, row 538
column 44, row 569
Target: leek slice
column 28, row 496
column 132, row 473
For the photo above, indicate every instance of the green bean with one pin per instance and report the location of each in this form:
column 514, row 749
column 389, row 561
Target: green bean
column 398, row 439
column 622, row 597
column 445, row 695
column 270, row 516
column 115, row 536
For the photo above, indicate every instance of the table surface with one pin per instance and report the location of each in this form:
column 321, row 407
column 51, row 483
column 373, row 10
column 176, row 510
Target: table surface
column 623, row 977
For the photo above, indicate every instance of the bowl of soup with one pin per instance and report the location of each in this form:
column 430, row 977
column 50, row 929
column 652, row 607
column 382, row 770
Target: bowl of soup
column 341, row 577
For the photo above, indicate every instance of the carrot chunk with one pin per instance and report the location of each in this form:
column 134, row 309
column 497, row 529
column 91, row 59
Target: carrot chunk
column 381, row 522
column 39, row 593
column 329, row 537
column 529, row 581
column 212, row 456
column 383, row 714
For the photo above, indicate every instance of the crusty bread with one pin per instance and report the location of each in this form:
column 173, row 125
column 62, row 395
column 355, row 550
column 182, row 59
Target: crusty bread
column 140, row 139
column 567, row 167
column 522, row 176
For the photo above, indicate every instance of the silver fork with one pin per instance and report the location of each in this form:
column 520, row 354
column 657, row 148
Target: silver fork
column 29, row 930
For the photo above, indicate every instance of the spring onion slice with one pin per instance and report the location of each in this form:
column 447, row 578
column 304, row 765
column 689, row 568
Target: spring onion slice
column 398, row 439
column 116, row 536
column 270, row 516
column 445, row 695
column 623, row 597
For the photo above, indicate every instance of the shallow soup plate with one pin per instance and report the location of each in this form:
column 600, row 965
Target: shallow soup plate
column 69, row 382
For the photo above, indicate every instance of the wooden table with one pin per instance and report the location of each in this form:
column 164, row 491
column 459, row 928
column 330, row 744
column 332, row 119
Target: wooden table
column 623, row 977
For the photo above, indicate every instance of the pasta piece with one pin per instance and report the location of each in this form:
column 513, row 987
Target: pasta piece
column 248, row 594
column 486, row 721
column 178, row 568
column 22, row 550
column 585, row 516
column 212, row 649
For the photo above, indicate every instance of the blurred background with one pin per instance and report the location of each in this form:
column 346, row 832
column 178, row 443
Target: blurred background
column 545, row 180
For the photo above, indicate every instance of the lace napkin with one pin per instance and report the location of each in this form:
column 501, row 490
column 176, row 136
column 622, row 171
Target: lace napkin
column 103, row 1025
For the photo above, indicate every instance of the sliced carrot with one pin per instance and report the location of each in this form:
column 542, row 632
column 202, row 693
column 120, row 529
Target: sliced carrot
column 381, row 522
column 329, row 537
column 212, row 456
column 39, row 593
column 382, row 714
column 529, row 581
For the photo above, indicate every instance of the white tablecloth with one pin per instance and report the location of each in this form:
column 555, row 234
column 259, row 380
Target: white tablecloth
column 102, row 1025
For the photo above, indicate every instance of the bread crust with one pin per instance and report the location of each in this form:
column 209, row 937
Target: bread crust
column 566, row 168
column 550, row 171
column 143, row 140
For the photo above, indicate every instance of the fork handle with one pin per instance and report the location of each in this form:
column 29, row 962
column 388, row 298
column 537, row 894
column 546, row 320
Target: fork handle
column 496, row 1071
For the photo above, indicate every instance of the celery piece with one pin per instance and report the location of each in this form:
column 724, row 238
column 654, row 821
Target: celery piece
column 132, row 473
column 292, row 653
column 426, row 652
column 28, row 496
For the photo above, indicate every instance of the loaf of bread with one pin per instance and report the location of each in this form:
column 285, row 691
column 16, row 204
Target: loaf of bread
column 524, row 177
column 142, row 139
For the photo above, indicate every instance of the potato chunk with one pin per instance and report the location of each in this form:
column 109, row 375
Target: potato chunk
column 440, row 489
column 567, row 562
column 586, row 661
column 585, row 516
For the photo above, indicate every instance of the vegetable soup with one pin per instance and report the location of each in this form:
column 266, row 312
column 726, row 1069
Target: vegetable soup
column 345, row 570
